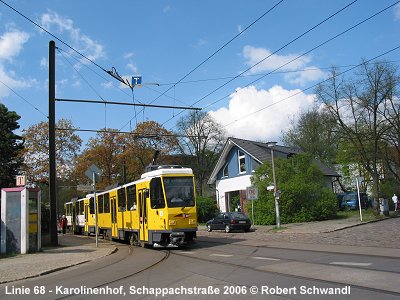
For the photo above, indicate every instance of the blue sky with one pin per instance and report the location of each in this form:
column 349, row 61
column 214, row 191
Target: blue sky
column 165, row 40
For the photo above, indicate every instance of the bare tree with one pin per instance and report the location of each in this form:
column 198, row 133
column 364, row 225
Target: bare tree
column 204, row 141
column 358, row 106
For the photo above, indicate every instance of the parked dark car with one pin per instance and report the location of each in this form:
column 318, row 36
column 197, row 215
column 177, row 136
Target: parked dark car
column 350, row 201
column 229, row 221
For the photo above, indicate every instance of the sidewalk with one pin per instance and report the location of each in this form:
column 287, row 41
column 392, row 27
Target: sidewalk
column 317, row 236
column 73, row 250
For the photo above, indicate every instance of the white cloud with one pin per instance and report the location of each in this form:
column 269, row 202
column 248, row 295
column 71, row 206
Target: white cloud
column 301, row 78
column 132, row 67
column 11, row 44
column 53, row 22
column 397, row 12
column 265, row 61
column 269, row 119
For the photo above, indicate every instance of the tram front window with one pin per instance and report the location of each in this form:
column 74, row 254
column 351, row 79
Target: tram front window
column 179, row 191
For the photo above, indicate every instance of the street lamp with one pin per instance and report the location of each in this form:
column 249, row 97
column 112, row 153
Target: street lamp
column 276, row 193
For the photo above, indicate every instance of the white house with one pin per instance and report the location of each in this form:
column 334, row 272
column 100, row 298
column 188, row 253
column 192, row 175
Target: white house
column 238, row 161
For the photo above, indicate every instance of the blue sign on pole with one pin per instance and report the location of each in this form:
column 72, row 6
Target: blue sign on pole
column 136, row 80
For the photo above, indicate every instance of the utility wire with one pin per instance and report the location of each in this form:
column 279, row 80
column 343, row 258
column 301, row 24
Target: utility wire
column 212, row 55
column 316, row 47
column 54, row 36
column 222, row 47
column 268, row 56
column 313, row 86
column 24, row 99
column 261, row 74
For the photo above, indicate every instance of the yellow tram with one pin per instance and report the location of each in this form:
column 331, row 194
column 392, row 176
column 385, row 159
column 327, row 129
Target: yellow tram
column 159, row 209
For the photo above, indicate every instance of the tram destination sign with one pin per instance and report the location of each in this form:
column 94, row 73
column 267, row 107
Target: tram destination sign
column 84, row 188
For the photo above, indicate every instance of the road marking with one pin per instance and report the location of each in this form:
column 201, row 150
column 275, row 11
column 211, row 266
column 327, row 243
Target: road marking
column 222, row 255
column 188, row 252
column 343, row 263
column 265, row 258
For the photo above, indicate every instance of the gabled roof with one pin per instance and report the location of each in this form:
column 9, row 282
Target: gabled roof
column 260, row 152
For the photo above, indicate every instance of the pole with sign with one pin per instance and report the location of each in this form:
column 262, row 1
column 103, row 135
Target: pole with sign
column 252, row 195
column 92, row 173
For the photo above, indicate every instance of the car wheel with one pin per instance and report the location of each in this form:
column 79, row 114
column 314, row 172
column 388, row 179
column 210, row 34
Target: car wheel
column 247, row 229
column 227, row 229
column 209, row 228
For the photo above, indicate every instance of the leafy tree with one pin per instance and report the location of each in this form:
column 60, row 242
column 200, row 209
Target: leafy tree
column 304, row 195
column 204, row 141
column 36, row 154
column 141, row 145
column 111, row 151
column 314, row 133
column 11, row 146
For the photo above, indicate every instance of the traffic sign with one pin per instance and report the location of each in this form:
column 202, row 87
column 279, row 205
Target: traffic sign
column 21, row 180
column 136, row 80
column 251, row 193
column 93, row 169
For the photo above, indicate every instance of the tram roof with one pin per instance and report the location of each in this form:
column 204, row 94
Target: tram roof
column 167, row 171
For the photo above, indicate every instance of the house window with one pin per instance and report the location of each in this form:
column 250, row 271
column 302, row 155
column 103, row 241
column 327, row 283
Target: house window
column 225, row 172
column 242, row 162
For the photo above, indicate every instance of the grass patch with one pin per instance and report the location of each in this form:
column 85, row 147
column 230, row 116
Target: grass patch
column 367, row 215
column 276, row 228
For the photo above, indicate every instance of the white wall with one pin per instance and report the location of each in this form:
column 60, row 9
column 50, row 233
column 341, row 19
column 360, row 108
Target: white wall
column 230, row 185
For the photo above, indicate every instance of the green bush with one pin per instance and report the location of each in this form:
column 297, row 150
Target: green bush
column 206, row 209
column 304, row 196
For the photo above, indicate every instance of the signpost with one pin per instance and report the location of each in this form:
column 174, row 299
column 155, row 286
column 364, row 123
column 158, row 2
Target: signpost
column 94, row 173
column 358, row 181
column 252, row 195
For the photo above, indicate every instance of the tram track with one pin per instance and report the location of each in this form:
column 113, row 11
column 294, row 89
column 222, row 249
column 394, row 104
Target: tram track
column 126, row 276
column 236, row 265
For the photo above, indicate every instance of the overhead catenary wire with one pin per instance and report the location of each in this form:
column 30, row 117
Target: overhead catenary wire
column 268, row 56
column 313, row 86
column 56, row 37
column 24, row 99
column 307, row 52
column 213, row 54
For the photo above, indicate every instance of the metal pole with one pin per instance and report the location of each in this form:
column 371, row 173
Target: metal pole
column 359, row 199
column 52, row 145
column 252, row 211
column 95, row 209
column 278, row 219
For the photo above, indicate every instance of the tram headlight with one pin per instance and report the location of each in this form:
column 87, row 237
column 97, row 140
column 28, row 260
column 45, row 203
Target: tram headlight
column 192, row 221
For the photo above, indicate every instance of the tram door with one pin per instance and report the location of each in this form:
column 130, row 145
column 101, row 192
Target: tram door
column 86, row 227
column 114, row 225
column 144, row 236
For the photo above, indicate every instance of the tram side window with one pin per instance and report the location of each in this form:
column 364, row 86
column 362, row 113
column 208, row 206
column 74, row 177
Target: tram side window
column 121, row 200
column 106, row 203
column 68, row 209
column 156, row 194
column 91, row 205
column 131, row 193
column 81, row 207
column 100, row 205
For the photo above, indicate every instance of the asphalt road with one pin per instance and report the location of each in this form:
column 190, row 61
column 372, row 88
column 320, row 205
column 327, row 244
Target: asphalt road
column 221, row 266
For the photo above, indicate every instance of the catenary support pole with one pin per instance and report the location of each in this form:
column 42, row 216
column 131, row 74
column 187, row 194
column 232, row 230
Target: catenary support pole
column 52, row 145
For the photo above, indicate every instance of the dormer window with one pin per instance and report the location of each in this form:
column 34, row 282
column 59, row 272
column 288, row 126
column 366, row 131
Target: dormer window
column 242, row 162
column 225, row 172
